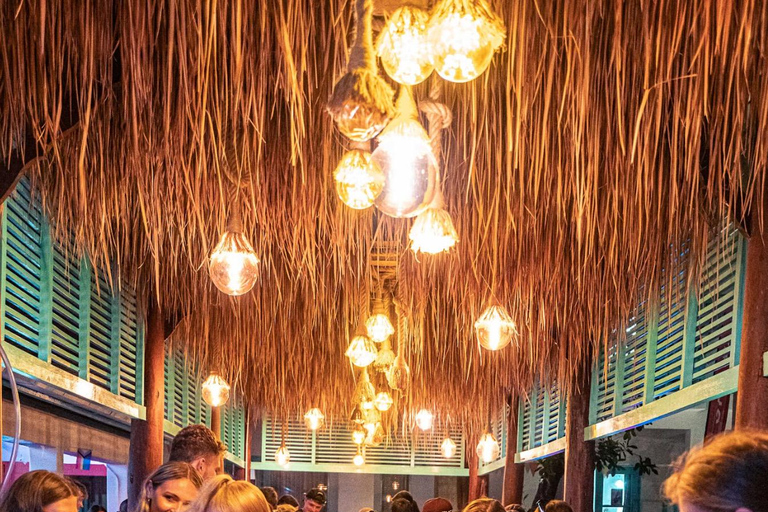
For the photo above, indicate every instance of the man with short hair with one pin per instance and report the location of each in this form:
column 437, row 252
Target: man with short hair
column 314, row 500
column 198, row 446
column 271, row 496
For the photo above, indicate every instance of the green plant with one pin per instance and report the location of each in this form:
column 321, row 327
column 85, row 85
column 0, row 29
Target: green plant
column 612, row 452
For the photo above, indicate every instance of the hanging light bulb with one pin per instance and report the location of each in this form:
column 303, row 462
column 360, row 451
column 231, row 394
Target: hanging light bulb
column 432, row 231
column 234, row 266
column 488, row 448
column 359, row 460
column 424, row 419
column 463, row 37
column 282, row 455
column 375, row 435
column 399, row 374
column 495, row 328
column 358, row 416
column 383, row 401
column 448, row 448
column 379, row 327
column 384, row 358
column 358, row 434
column 361, row 351
column 403, row 46
column 215, row 390
column 314, row 419
column 365, row 393
column 359, row 181
column 404, row 155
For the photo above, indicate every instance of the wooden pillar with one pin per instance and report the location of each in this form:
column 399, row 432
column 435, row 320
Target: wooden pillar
column 478, row 485
column 513, row 473
column 216, row 421
column 752, row 398
column 579, row 454
column 244, row 473
column 146, row 448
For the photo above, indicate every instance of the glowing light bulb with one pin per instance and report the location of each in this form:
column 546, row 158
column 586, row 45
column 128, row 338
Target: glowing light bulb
column 359, row 181
column 234, row 265
column 367, row 406
column 495, row 328
column 361, row 351
column 384, row 358
column 383, row 401
column 314, row 419
column 405, row 157
column 215, row 390
column 358, row 434
column 488, row 449
column 282, row 455
column 399, row 374
column 379, row 327
column 448, row 448
column 358, row 460
column 375, row 434
column 403, row 46
column 433, row 232
column 463, row 37
column 424, row 419
column 358, row 416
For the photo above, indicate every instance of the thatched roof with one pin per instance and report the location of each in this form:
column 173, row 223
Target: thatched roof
column 604, row 134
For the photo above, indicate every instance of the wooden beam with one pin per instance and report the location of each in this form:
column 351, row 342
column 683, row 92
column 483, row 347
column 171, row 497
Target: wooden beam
column 216, row 421
column 752, row 398
column 146, row 448
column 579, row 454
column 512, row 492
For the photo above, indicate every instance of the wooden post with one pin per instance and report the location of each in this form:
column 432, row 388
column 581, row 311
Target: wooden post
column 579, row 454
column 146, row 448
column 478, row 485
column 752, row 398
column 216, row 421
column 512, row 491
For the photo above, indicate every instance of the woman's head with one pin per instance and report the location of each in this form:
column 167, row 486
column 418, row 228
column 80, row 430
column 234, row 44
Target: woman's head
column 725, row 475
column 222, row 494
column 40, row 491
column 484, row 505
column 171, row 488
column 558, row 506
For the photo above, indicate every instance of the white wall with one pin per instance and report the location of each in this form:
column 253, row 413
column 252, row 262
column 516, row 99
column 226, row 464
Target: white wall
column 117, row 486
column 355, row 492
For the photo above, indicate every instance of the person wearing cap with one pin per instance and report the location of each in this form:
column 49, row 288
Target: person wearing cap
column 314, row 501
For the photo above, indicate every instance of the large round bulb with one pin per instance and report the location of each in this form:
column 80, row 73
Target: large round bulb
column 384, row 358
column 403, row 46
column 448, row 448
column 314, row 419
column 358, row 179
column 383, row 401
column 424, row 419
column 379, row 327
column 488, row 449
column 234, row 265
column 282, row 456
column 495, row 328
column 360, row 121
column 358, row 460
column 405, row 156
column 215, row 390
column 361, row 351
column 463, row 37
column 399, row 374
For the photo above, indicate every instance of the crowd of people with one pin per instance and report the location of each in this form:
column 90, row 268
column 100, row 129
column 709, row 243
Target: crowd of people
column 728, row 474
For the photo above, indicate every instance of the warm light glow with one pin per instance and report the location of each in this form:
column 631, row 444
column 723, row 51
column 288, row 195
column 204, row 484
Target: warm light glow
column 495, row 328
column 488, row 449
column 463, row 37
column 433, row 232
column 359, row 434
column 379, row 327
column 361, row 351
column 314, row 419
column 282, row 455
column 403, row 46
column 358, row 416
column 384, row 358
column 424, row 419
column 360, row 121
column 358, row 179
column 359, row 460
column 367, row 406
column 448, row 448
column 375, row 434
column 234, row 265
column 215, row 390
column 389, row 498
column 383, row 401
column 399, row 374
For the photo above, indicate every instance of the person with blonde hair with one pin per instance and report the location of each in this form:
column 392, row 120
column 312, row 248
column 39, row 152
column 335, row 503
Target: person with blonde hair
column 171, row 488
column 40, row 491
column 484, row 505
column 222, row 494
column 727, row 474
